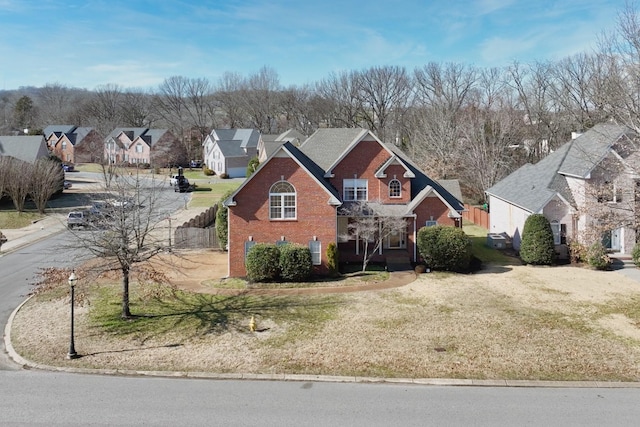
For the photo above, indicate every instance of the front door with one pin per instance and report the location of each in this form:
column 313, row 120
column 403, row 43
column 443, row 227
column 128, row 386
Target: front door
column 612, row 240
column 396, row 240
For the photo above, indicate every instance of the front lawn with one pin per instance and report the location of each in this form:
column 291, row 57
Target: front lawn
column 508, row 322
column 12, row 219
column 483, row 252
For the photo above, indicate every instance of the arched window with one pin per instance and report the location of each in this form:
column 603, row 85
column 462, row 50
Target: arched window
column 395, row 188
column 282, row 201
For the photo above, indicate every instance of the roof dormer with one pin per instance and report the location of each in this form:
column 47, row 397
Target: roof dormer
column 394, row 160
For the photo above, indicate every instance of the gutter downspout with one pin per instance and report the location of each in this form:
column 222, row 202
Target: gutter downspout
column 415, row 237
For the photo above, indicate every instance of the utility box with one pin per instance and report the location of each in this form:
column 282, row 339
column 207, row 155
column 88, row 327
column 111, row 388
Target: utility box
column 496, row 241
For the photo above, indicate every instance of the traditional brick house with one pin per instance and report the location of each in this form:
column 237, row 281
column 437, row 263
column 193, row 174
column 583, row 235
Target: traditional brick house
column 74, row 144
column 157, row 147
column 296, row 194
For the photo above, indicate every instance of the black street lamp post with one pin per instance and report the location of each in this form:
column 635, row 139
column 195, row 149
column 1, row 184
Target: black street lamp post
column 72, row 283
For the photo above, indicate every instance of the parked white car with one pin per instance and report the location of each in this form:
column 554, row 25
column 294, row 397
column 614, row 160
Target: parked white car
column 76, row 219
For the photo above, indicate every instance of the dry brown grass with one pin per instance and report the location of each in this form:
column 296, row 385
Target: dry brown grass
column 515, row 322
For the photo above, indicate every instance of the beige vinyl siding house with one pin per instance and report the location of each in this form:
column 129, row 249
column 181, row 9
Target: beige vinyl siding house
column 587, row 186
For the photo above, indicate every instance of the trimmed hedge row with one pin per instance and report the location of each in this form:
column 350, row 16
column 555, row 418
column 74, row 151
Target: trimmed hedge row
column 267, row 262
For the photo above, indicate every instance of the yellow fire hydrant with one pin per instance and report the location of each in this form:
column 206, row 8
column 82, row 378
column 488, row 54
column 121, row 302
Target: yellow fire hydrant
column 252, row 324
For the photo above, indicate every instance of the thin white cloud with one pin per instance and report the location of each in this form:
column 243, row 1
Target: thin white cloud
column 485, row 7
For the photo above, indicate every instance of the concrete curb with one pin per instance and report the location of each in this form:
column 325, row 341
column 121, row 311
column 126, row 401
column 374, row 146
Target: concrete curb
column 27, row 364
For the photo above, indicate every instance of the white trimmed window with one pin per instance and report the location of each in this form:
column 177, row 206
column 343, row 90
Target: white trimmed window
column 555, row 227
column 395, row 188
column 559, row 232
column 64, row 145
column 431, row 223
column 316, row 252
column 355, row 189
column 139, row 148
column 282, row 201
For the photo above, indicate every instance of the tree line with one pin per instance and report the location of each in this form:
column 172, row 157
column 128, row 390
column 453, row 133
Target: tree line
column 455, row 120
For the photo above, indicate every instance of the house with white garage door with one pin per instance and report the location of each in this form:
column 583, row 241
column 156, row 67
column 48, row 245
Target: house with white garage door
column 228, row 151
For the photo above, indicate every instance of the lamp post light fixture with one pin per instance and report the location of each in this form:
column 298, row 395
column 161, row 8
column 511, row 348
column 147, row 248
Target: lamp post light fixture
column 72, row 283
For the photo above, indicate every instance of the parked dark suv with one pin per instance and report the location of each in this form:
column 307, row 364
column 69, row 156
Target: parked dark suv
column 182, row 184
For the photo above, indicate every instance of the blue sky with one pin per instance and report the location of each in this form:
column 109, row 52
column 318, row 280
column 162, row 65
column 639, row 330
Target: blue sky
column 139, row 43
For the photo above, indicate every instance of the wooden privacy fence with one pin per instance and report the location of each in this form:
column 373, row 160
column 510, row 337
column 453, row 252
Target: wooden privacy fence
column 198, row 232
column 476, row 215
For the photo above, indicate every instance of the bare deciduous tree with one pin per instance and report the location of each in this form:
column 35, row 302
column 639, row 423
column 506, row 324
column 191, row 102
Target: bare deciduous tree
column 55, row 103
column 260, row 95
column 384, row 92
column 369, row 222
column 129, row 232
column 17, row 180
column 341, row 90
column 136, row 109
column 46, row 180
column 441, row 91
column 228, row 95
column 491, row 127
column 104, row 108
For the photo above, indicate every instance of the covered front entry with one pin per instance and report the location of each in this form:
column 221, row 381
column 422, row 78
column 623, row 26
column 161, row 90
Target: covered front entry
column 397, row 240
column 612, row 240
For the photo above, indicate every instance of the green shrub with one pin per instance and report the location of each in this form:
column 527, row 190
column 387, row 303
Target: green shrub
column 635, row 254
column 252, row 166
column 262, row 263
column 597, row 256
column 224, row 175
column 295, row 263
column 537, row 245
column 445, row 248
column 222, row 221
column 207, row 171
column 332, row 258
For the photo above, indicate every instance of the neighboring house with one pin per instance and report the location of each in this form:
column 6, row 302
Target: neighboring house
column 25, row 148
column 144, row 146
column 586, row 186
column 74, row 144
column 270, row 143
column 296, row 194
column 228, row 151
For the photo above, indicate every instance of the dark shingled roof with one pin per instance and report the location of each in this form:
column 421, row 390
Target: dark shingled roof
column 322, row 149
column 246, row 138
column 325, row 146
column 312, row 167
column 231, row 148
column 26, row 148
column 531, row 187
